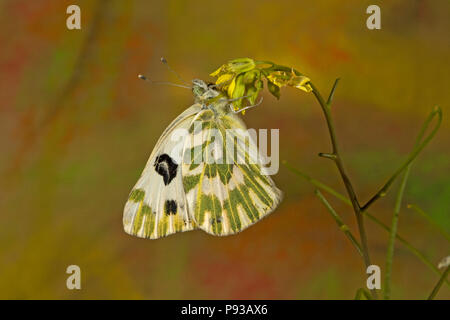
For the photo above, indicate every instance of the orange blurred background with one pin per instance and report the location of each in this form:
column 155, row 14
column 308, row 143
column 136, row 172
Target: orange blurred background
column 77, row 127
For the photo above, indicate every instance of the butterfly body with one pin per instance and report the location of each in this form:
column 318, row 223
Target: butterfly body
column 201, row 176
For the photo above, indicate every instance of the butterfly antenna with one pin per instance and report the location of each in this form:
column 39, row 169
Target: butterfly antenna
column 164, row 61
column 142, row 77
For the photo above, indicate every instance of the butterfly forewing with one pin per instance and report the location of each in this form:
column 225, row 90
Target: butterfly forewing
column 156, row 206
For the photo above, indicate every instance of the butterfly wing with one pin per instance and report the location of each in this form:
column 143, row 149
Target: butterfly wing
column 156, row 206
column 225, row 198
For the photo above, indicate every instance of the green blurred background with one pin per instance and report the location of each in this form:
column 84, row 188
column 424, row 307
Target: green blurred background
column 77, row 127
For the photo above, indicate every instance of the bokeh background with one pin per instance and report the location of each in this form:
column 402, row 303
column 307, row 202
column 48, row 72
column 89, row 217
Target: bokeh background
column 77, row 127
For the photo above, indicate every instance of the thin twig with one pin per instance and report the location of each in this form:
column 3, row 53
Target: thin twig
column 348, row 185
column 414, row 153
column 362, row 292
column 330, row 97
column 439, row 284
column 430, row 220
column 392, row 236
column 398, row 202
column 342, row 226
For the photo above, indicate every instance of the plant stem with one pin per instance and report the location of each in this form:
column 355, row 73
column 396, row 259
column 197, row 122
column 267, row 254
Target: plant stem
column 398, row 201
column 348, row 185
column 362, row 292
column 331, row 95
column 414, row 153
column 430, row 220
column 342, row 226
column 392, row 236
column 439, row 284
column 371, row 217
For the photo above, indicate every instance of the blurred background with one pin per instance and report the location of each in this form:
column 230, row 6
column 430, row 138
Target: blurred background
column 77, row 127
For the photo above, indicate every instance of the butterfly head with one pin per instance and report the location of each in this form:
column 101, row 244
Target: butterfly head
column 203, row 91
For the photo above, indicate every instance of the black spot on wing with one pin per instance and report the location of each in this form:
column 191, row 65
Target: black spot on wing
column 166, row 167
column 170, row 207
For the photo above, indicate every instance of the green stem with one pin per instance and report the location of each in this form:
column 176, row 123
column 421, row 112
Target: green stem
column 371, row 217
column 348, row 185
column 408, row 245
column 331, row 95
column 430, row 220
column 342, row 226
column 439, row 284
column 392, row 236
column 361, row 292
column 398, row 202
column 414, row 153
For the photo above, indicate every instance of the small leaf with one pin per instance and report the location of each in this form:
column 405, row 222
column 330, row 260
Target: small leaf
column 259, row 84
column 221, row 70
column 274, row 89
column 238, row 91
column 251, row 76
column 252, row 92
column 291, row 79
column 231, row 88
column 280, row 78
column 223, row 79
column 302, row 83
column 241, row 65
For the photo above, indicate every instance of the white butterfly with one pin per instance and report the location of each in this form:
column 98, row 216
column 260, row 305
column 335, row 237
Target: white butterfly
column 184, row 186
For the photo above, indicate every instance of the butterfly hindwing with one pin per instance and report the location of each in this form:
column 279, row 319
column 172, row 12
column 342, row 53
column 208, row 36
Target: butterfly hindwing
column 156, row 206
column 223, row 177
